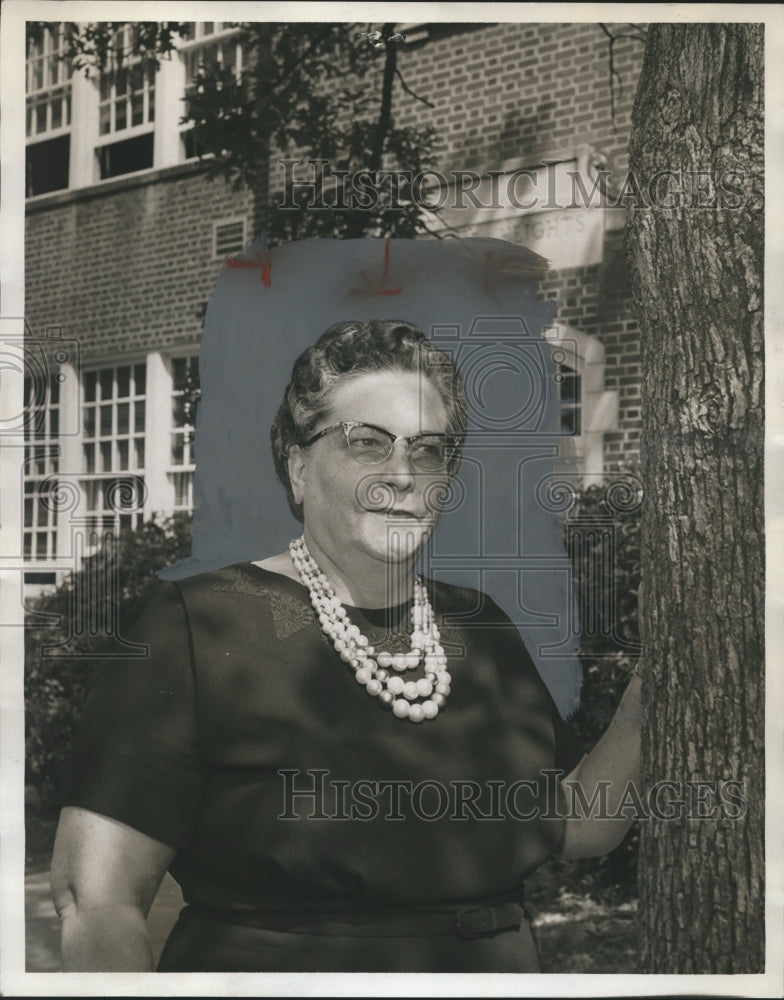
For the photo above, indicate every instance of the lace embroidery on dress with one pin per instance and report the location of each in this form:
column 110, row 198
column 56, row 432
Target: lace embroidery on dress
column 289, row 615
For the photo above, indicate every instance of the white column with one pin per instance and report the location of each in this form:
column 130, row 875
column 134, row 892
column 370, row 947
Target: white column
column 169, row 107
column 70, row 464
column 157, row 434
column 83, row 167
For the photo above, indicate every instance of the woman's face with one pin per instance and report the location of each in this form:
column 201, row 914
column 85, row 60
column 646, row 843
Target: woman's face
column 381, row 512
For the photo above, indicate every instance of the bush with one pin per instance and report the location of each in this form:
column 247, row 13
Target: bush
column 64, row 630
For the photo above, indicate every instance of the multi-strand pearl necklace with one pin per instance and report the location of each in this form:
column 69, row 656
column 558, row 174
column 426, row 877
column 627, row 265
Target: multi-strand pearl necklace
column 380, row 672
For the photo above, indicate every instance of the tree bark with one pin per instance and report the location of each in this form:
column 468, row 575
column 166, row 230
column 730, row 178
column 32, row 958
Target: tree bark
column 697, row 277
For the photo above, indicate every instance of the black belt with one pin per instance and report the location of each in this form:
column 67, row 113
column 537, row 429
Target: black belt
column 466, row 922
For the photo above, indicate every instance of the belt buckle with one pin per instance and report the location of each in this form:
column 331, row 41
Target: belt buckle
column 474, row 921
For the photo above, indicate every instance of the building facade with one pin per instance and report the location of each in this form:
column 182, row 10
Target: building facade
column 125, row 235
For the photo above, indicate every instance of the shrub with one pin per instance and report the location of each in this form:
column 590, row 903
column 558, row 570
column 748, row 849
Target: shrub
column 61, row 644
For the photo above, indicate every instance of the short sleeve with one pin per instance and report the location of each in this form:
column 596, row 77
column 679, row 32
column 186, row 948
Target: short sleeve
column 135, row 753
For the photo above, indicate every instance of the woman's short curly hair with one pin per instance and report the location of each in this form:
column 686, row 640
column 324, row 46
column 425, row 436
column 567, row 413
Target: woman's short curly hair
column 348, row 349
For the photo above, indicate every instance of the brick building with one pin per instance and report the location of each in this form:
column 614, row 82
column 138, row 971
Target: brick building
column 125, row 236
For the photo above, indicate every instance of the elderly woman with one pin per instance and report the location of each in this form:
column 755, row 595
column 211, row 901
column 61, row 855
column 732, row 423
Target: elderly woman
column 346, row 767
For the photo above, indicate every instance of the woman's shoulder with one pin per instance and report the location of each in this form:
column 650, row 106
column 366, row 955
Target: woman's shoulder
column 468, row 602
column 246, row 578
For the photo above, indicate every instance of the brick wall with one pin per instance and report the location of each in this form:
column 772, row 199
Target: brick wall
column 524, row 92
column 128, row 267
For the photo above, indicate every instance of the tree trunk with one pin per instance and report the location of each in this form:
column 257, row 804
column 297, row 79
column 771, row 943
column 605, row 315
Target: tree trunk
column 697, row 274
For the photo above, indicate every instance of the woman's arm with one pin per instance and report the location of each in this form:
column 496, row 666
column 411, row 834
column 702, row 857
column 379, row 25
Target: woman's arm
column 104, row 879
column 606, row 774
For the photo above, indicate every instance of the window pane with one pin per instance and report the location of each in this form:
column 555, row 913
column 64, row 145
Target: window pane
column 40, row 119
column 124, row 381
column 89, row 386
column 106, row 421
column 40, row 545
column 122, row 455
column 89, row 457
column 120, row 119
column 89, row 421
column 178, row 373
column 104, row 125
column 57, row 109
column 139, row 449
column 177, row 450
column 123, row 418
column 137, row 108
column 107, row 382
column 106, row 456
column 138, row 409
column 139, row 378
column 54, row 422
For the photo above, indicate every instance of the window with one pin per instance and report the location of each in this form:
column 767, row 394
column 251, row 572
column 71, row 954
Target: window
column 569, row 384
column 113, row 444
column 48, row 109
column 40, row 472
column 185, row 392
column 126, row 108
column 215, row 43
column 217, row 47
column 588, row 410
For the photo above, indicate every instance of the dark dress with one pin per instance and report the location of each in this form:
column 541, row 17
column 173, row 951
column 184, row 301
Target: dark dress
column 298, row 804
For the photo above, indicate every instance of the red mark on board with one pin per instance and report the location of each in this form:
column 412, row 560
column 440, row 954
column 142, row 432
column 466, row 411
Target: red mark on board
column 377, row 287
column 264, row 264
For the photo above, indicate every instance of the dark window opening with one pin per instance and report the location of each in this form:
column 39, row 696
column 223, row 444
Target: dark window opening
column 41, row 578
column 569, row 383
column 46, row 165
column 126, row 156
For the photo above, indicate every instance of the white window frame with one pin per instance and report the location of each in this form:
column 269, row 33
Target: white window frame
column 135, row 471
column 598, row 406
column 49, row 57
column 188, row 48
column 185, row 470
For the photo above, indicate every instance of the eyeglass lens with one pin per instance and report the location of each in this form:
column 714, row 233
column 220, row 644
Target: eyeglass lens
column 428, row 453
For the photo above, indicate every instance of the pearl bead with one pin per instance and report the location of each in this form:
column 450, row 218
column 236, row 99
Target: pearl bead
column 400, row 708
column 372, row 671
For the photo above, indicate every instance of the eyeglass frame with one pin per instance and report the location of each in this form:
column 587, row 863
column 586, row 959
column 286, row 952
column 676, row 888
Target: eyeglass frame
column 349, row 425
